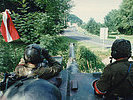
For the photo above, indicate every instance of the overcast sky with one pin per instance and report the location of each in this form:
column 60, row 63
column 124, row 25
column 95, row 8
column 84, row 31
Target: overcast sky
column 96, row 9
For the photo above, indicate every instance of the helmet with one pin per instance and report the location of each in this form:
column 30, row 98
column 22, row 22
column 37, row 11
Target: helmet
column 33, row 54
column 121, row 48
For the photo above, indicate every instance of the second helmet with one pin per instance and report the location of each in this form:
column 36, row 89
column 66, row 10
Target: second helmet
column 121, row 48
column 33, row 54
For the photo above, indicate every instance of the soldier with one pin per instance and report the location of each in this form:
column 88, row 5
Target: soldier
column 33, row 63
column 116, row 80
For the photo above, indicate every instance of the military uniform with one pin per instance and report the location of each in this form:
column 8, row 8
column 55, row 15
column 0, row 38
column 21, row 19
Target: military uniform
column 113, row 74
column 117, row 78
column 33, row 63
column 28, row 69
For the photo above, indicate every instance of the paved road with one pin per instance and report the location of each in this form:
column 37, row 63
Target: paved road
column 95, row 40
column 74, row 34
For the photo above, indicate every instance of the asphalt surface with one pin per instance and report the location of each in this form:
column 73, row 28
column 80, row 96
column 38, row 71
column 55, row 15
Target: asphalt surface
column 74, row 34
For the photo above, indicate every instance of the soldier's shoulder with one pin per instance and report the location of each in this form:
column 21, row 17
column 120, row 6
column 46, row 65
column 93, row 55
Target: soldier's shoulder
column 117, row 63
column 131, row 62
column 111, row 64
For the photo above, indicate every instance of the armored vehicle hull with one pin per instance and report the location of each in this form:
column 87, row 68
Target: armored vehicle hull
column 32, row 89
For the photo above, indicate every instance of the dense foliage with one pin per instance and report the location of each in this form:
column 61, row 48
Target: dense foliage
column 10, row 54
column 58, row 9
column 34, row 25
column 92, row 26
column 34, row 18
column 112, row 20
column 74, row 19
column 87, row 61
column 126, row 12
column 34, row 5
column 121, row 20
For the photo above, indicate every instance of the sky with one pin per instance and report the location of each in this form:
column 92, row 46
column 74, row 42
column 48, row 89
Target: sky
column 97, row 9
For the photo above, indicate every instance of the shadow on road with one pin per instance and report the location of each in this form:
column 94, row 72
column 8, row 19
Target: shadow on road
column 79, row 38
column 67, row 31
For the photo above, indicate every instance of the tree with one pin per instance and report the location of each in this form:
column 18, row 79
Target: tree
column 74, row 19
column 33, row 5
column 58, row 10
column 25, row 24
column 50, row 13
column 112, row 20
column 121, row 19
column 7, row 4
column 93, row 27
column 126, row 11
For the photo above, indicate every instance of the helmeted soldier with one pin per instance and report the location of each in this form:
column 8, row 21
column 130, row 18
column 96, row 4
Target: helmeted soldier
column 33, row 63
column 116, row 80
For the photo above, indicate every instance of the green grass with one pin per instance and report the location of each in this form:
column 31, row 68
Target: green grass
column 69, row 40
column 111, row 36
column 88, row 62
column 96, row 49
column 103, row 53
column 127, row 37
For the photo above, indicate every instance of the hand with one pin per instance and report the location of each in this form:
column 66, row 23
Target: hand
column 2, row 86
column 45, row 52
column 22, row 61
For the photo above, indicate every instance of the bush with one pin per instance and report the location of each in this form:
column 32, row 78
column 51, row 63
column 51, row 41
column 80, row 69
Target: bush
column 10, row 54
column 93, row 27
column 25, row 24
column 32, row 26
column 87, row 61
